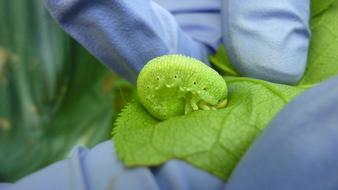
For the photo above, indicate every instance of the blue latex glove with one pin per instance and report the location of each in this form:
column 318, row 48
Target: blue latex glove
column 265, row 39
column 298, row 150
column 104, row 28
column 124, row 34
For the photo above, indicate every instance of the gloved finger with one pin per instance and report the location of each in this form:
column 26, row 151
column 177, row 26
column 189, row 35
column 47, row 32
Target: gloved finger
column 179, row 175
column 4, row 186
column 95, row 169
column 124, row 34
column 298, row 150
column 100, row 168
column 174, row 174
column 267, row 39
column 200, row 19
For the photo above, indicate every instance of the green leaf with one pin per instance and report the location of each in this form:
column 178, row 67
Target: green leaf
column 221, row 62
column 320, row 6
column 323, row 56
column 210, row 140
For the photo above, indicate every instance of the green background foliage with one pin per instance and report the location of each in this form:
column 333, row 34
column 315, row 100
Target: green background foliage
column 53, row 94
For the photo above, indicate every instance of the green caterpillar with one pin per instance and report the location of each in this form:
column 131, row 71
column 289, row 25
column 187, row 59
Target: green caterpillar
column 173, row 85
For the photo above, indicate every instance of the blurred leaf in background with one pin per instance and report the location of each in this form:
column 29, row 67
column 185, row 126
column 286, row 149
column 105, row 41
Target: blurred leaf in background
column 53, row 94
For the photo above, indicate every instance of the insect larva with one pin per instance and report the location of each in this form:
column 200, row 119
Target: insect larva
column 173, row 85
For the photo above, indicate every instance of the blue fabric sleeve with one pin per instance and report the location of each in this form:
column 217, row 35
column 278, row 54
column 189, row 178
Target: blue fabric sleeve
column 124, row 34
column 267, row 39
column 299, row 149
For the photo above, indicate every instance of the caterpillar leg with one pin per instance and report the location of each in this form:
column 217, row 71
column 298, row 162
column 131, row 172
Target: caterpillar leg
column 204, row 106
column 188, row 107
column 193, row 103
column 213, row 108
column 222, row 104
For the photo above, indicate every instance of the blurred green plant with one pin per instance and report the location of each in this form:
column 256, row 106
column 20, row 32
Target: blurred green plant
column 53, row 94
